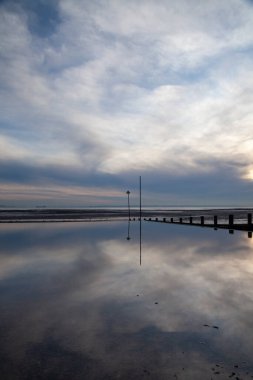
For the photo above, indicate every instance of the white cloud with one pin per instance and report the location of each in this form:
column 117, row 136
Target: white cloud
column 123, row 84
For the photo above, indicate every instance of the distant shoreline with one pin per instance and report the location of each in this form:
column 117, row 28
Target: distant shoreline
column 85, row 215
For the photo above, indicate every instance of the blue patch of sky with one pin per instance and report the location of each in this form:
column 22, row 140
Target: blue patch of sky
column 24, row 133
column 70, row 60
column 200, row 73
column 43, row 15
column 180, row 77
column 119, row 102
column 54, row 70
column 10, row 129
column 245, row 50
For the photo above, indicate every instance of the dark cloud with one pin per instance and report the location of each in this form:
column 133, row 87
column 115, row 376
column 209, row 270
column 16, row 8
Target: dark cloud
column 25, row 173
column 219, row 184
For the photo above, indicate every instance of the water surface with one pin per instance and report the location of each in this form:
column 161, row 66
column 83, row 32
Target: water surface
column 77, row 304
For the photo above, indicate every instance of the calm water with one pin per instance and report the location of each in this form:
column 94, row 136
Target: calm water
column 77, row 304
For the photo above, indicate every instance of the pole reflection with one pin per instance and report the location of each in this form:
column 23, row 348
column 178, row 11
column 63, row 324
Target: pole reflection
column 128, row 231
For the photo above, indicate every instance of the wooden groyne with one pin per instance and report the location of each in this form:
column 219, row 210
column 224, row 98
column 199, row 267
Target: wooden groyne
column 201, row 221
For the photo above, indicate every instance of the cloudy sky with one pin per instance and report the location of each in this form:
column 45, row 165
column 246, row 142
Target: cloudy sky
column 95, row 93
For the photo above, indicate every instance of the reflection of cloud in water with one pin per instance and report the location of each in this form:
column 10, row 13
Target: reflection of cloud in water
column 85, row 306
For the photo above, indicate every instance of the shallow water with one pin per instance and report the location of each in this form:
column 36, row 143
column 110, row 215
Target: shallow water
column 77, row 304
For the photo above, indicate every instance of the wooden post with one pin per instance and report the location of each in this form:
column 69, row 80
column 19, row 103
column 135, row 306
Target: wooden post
column 249, row 219
column 180, row 220
column 171, row 220
column 156, row 219
column 231, row 220
column 215, row 220
column 164, row 220
column 202, row 220
column 190, row 219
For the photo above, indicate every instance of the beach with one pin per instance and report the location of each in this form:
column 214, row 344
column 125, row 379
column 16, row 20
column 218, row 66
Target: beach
column 79, row 215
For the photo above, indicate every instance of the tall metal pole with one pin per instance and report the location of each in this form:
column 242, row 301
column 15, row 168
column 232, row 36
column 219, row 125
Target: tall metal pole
column 128, row 193
column 140, row 221
column 140, row 197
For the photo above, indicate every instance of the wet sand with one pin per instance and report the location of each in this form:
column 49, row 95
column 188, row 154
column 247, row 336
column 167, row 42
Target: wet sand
column 77, row 303
column 79, row 215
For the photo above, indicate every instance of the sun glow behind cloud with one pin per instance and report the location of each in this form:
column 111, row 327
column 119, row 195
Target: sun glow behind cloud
column 122, row 88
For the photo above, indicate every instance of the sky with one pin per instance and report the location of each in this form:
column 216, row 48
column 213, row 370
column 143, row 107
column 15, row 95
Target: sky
column 94, row 94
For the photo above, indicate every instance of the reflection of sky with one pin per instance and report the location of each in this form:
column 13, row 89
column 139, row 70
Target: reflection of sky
column 76, row 304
